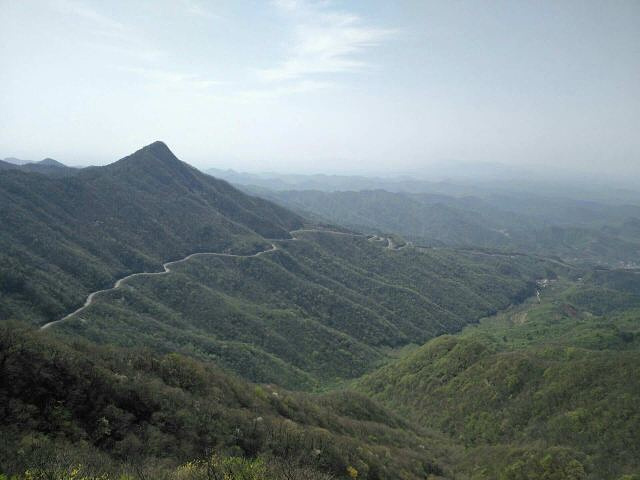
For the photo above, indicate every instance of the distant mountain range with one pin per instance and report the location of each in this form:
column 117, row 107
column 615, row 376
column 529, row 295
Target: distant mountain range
column 48, row 166
column 576, row 230
column 470, row 180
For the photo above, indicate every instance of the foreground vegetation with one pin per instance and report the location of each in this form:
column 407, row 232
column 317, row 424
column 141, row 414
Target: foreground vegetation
column 115, row 411
column 547, row 388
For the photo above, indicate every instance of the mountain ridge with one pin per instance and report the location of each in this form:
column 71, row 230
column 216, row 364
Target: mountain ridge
column 132, row 215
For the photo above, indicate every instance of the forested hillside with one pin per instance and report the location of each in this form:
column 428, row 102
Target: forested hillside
column 62, row 238
column 76, row 407
column 547, row 388
column 321, row 308
column 314, row 310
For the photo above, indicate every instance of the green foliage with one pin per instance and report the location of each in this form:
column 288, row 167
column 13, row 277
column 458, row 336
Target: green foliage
column 137, row 386
column 321, row 309
column 523, row 379
column 225, row 468
column 62, row 238
column 116, row 411
column 558, row 465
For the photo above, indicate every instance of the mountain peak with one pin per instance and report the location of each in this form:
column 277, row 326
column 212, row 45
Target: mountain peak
column 151, row 168
column 154, row 155
column 50, row 162
column 159, row 149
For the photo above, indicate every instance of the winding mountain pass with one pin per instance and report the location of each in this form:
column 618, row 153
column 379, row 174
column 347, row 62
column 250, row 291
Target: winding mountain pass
column 167, row 268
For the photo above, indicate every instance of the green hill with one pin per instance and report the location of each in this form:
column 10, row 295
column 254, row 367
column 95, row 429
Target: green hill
column 529, row 370
column 546, row 387
column 108, row 411
column 422, row 218
column 48, row 167
column 320, row 309
column 62, row 238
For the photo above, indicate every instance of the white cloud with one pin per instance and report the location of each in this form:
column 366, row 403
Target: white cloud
column 197, row 9
column 103, row 23
column 290, row 88
column 129, row 44
column 325, row 41
column 173, row 80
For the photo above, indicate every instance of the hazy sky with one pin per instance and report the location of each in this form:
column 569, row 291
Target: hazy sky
column 323, row 86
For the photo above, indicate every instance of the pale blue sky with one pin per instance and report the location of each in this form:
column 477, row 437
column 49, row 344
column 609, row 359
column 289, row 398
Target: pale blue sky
column 326, row 86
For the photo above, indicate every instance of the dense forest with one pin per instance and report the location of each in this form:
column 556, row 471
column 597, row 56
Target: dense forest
column 547, row 387
column 321, row 309
column 68, row 405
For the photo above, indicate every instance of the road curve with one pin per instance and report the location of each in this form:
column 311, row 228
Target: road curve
column 167, row 268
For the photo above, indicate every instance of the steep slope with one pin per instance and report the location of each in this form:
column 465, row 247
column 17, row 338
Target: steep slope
column 310, row 311
column 64, row 237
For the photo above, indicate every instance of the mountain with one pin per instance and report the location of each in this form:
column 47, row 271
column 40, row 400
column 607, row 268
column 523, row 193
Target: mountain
column 139, row 300
column 432, row 219
column 455, row 179
column 48, row 166
column 50, row 162
column 64, row 237
column 333, row 183
column 16, row 161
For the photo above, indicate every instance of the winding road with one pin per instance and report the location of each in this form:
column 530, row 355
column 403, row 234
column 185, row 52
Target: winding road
column 391, row 245
column 167, row 267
